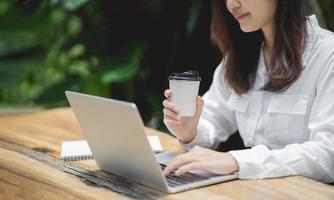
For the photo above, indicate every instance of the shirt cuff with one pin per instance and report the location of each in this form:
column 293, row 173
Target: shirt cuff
column 259, row 162
column 250, row 163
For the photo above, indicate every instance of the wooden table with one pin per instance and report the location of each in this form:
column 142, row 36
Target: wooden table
column 30, row 168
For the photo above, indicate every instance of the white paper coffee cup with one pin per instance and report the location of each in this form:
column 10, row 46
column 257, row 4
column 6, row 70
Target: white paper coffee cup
column 184, row 90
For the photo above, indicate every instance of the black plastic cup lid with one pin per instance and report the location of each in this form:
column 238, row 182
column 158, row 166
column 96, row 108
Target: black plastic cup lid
column 188, row 76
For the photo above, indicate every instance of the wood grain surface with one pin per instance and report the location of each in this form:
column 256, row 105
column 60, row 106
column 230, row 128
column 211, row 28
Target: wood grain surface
column 30, row 168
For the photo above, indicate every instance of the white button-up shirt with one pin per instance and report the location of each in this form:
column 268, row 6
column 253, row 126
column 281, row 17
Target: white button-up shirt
column 290, row 133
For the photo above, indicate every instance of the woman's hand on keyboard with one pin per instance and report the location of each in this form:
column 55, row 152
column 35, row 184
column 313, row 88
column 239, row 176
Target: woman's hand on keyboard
column 199, row 158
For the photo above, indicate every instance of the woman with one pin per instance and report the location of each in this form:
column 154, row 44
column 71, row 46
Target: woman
column 275, row 85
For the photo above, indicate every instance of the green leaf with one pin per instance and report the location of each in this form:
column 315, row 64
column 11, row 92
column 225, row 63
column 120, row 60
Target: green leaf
column 73, row 4
column 14, row 42
column 79, row 67
column 127, row 66
column 4, row 7
column 64, row 61
column 77, row 50
column 57, row 17
column 193, row 15
column 120, row 74
column 93, row 85
column 74, row 26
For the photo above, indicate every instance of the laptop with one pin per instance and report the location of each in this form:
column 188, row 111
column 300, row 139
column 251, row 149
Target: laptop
column 116, row 136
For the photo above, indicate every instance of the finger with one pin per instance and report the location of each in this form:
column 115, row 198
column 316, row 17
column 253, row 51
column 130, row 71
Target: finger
column 171, row 114
column 191, row 166
column 179, row 161
column 167, row 93
column 168, row 104
column 199, row 106
column 170, row 121
column 195, row 149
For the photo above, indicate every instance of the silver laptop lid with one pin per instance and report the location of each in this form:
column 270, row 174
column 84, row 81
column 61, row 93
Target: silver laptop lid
column 115, row 133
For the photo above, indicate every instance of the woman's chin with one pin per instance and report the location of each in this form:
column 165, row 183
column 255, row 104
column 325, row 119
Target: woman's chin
column 248, row 29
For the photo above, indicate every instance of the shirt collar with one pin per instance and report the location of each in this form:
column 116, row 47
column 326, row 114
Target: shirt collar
column 313, row 30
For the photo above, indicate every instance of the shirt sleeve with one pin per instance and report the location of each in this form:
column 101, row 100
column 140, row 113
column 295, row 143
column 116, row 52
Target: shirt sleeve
column 217, row 120
column 313, row 158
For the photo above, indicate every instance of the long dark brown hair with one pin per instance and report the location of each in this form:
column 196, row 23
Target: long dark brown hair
column 241, row 50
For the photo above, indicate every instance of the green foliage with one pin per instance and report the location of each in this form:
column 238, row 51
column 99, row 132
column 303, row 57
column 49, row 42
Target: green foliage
column 126, row 65
column 47, row 47
column 4, row 7
column 193, row 15
column 73, row 4
column 40, row 56
column 327, row 7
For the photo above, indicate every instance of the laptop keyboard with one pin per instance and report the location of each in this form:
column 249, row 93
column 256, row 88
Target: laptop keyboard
column 174, row 180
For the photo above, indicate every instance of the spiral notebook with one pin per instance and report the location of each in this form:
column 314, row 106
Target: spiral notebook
column 79, row 149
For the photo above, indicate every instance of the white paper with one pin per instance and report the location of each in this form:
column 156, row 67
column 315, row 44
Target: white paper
column 78, row 148
column 75, row 148
column 155, row 143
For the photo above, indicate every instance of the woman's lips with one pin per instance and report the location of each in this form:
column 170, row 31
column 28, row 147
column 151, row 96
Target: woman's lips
column 241, row 17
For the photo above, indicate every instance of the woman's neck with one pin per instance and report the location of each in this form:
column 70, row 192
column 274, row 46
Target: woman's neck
column 268, row 46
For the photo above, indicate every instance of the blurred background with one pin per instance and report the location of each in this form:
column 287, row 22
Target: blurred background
column 119, row 49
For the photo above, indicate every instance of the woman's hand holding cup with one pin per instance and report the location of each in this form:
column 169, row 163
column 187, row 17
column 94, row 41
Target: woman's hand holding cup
column 183, row 106
column 183, row 127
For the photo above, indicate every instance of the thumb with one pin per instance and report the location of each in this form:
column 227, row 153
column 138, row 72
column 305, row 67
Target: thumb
column 199, row 106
